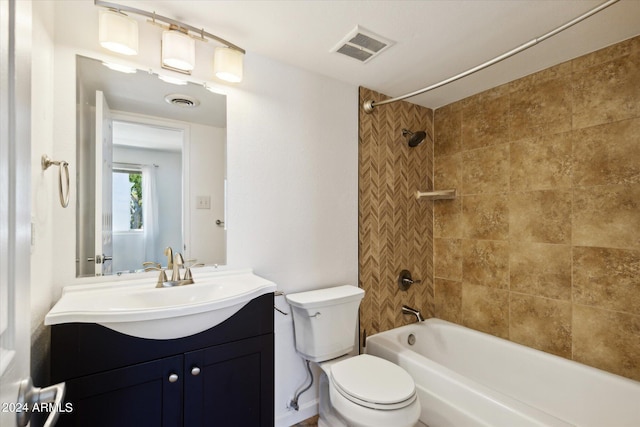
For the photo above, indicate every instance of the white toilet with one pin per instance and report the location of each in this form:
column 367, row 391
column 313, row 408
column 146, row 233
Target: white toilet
column 355, row 391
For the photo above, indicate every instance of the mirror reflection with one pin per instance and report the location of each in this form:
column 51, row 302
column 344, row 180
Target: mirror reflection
column 151, row 171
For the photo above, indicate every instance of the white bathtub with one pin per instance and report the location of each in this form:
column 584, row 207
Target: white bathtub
column 468, row 378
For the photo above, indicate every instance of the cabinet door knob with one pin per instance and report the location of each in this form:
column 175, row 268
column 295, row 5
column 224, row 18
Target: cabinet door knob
column 173, row 378
column 195, row 371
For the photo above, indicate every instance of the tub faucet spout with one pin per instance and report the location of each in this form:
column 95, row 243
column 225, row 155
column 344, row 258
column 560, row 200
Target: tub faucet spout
column 408, row 310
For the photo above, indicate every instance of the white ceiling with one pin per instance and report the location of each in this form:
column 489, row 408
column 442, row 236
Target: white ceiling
column 435, row 39
column 144, row 93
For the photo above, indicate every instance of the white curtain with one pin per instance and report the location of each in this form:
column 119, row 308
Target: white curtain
column 150, row 213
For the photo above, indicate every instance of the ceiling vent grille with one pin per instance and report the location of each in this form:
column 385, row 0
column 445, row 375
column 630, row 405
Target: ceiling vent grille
column 362, row 45
column 180, row 100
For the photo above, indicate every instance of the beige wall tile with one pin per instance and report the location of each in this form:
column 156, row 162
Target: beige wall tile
column 485, row 217
column 607, row 340
column 447, row 218
column 552, row 73
column 485, row 119
column 607, row 278
column 607, row 154
column 607, row 54
column 541, row 108
column 552, row 137
column 448, row 297
column 607, row 216
column 607, row 92
column 486, row 309
column 540, row 216
column 541, row 163
column 486, row 262
column 447, row 258
column 540, row 269
column 447, row 172
column 394, row 231
column 541, row 323
column 486, row 170
column 448, row 131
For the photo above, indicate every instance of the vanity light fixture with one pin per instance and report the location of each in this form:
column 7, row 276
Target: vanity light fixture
column 118, row 32
column 172, row 80
column 178, row 50
column 227, row 64
column 119, row 67
column 215, row 89
column 178, row 42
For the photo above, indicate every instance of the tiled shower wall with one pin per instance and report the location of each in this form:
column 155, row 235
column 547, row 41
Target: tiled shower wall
column 542, row 246
column 395, row 229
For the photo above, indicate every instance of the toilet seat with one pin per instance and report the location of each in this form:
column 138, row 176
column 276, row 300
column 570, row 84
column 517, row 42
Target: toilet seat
column 373, row 382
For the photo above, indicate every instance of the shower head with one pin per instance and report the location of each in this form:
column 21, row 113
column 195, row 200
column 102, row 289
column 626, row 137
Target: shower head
column 414, row 138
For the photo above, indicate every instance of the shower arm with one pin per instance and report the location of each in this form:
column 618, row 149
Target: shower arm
column 370, row 105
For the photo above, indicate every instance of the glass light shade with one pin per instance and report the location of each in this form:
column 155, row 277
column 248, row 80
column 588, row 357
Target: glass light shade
column 227, row 64
column 119, row 67
column 178, row 51
column 118, row 32
column 173, row 80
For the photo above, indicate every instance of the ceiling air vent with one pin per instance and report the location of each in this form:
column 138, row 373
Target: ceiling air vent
column 362, row 45
column 180, row 100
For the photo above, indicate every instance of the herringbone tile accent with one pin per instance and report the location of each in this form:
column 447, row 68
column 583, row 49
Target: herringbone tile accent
column 395, row 231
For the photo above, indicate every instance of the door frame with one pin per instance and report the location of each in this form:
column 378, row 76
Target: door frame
column 15, row 196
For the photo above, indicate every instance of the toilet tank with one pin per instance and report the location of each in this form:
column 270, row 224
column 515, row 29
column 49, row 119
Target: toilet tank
column 325, row 320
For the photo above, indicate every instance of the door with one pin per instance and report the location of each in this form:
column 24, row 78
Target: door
column 15, row 202
column 231, row 383
column 103, row 195
column 146, row 394
column 16, row 391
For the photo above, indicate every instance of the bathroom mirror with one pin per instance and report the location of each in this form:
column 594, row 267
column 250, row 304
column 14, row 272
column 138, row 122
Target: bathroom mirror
column 151, row 170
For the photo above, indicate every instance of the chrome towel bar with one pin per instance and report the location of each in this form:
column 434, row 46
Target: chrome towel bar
column 46, row 162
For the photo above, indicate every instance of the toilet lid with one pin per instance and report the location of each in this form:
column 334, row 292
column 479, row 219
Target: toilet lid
column 369, row 379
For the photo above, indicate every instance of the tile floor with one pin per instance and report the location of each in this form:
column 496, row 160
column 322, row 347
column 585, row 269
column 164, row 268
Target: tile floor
column 311, row 422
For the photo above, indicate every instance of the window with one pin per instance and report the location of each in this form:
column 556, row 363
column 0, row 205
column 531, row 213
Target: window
column 127, row 200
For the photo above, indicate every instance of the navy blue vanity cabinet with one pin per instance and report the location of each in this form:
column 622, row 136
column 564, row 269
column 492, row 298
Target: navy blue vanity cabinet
column 219, row 377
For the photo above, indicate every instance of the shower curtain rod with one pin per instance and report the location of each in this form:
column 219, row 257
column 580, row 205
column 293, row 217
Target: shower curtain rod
column 370, row 105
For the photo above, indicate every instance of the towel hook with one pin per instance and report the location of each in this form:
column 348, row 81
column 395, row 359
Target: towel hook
column 45, row 161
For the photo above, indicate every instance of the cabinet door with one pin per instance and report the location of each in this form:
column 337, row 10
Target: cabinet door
column 138, row 395
column 230, row 384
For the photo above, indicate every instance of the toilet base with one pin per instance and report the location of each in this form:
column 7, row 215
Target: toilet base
column 327, row 416
column 331, row 411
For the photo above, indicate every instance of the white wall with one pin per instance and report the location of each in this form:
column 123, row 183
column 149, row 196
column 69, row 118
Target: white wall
column 292, row 177
column 293, row 193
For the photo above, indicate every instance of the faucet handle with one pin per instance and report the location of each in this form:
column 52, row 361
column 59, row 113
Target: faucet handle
column 148, row 264
column 405, row 280
column 162, row 277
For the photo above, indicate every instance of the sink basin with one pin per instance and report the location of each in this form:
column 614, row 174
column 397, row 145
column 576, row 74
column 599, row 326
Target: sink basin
column 138, row 308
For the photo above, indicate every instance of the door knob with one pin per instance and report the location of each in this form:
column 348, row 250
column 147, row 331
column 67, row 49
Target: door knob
column 28, row 396
column 173, row 378
column 195, row 371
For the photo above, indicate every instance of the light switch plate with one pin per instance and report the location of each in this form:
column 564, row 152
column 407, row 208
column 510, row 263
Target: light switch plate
column 203, row 202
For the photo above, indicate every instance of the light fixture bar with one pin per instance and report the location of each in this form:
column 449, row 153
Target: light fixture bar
column 154, row 16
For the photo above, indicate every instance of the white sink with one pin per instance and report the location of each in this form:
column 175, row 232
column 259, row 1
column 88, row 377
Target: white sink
column 138, row 308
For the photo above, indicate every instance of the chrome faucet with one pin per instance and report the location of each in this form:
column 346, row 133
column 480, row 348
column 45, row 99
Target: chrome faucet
column 178, row 262
column 175, row 262
column 408, row 310
column 168, row 252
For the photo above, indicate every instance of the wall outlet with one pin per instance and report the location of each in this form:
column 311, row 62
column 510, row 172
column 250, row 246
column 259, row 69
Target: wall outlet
column 203, row 202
